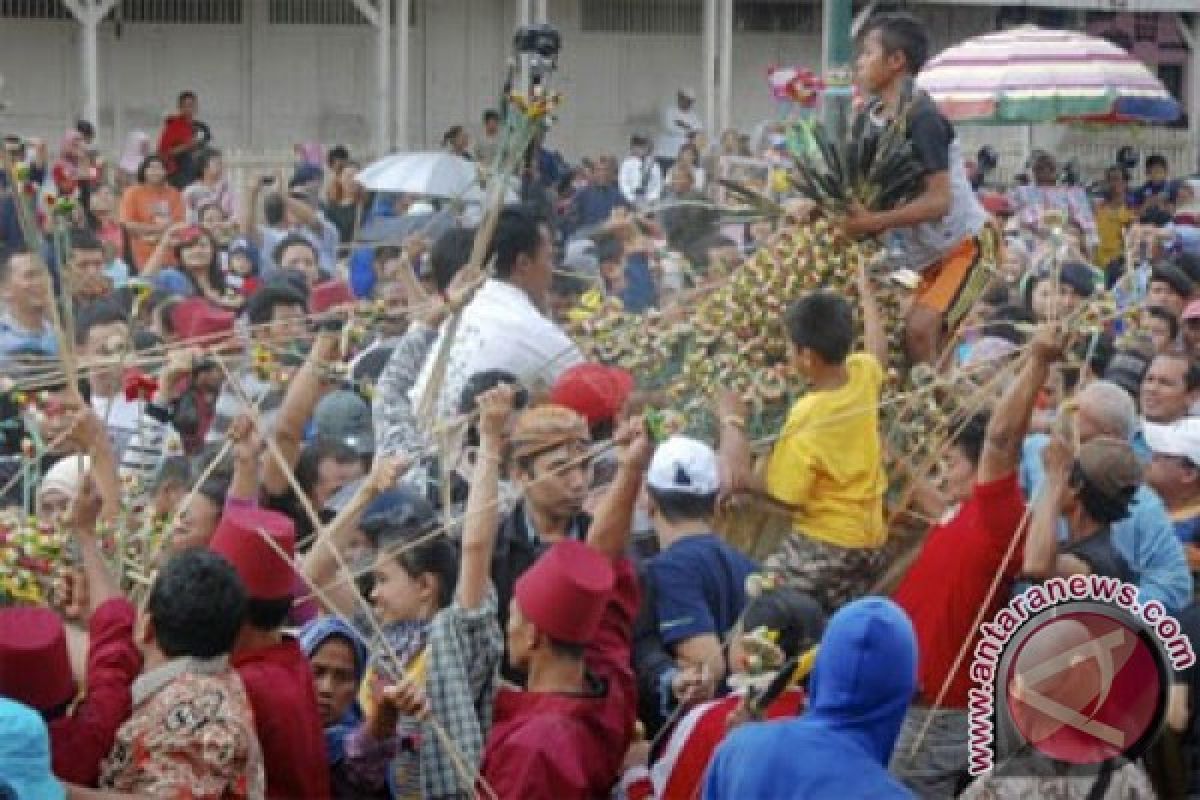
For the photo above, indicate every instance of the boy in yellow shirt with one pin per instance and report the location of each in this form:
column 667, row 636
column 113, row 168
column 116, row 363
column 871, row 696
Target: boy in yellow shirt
column 827, row 463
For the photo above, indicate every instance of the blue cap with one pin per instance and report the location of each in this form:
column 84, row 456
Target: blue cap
column 173, row 281
column 25, row 754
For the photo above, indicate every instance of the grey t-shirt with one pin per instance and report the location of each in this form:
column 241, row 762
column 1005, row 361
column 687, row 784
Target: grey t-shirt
column 938, row 150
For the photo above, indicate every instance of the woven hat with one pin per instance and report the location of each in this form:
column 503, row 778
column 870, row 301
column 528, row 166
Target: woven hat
column 546, row 427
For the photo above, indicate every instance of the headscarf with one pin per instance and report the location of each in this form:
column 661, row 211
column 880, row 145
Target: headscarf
column 66, row 476
column 135, row 151
column 312, row 636
column 66, row 147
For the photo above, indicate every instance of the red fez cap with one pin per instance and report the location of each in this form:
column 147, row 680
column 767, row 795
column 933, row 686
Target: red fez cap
column 566, row 590
column 329, row 294
column 34, row 667
column 594, row 391
column 196, row 318
column 264, row 572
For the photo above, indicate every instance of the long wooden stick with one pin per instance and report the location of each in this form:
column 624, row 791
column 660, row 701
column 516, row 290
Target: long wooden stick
column 468, row 775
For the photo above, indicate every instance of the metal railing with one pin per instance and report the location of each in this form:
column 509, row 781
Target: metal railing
column 1094, row 148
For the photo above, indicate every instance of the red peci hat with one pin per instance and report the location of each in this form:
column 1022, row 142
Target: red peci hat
column 565, row 592
column 196, row 318
column 34, row 666
column 594, row 391
column 264, row 572
column 329, row 294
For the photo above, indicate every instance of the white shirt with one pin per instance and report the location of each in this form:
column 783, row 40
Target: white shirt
column 641, row 180
column 140, row 442
column 500, row 329
column 676, row 123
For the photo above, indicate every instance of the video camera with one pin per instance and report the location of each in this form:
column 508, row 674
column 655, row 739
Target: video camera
column 535, row 57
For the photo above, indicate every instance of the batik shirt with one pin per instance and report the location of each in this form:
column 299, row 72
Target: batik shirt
column 396, row 428
column 191, row 736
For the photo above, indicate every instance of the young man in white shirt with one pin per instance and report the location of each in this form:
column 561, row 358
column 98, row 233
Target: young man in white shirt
column 504, row 326
column 640, row 178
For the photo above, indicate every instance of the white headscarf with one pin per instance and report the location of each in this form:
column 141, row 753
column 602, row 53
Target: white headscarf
column 137, row 147
column 66, row 476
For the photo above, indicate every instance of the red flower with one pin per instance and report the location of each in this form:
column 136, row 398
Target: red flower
column 139, row 385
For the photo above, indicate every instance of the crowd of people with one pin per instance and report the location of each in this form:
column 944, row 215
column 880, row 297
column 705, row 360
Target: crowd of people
column 345, row 518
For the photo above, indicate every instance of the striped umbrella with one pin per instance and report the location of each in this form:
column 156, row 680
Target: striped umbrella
column 1028, row 75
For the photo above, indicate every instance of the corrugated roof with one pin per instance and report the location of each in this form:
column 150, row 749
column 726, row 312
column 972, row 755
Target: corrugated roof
column 1085, row 5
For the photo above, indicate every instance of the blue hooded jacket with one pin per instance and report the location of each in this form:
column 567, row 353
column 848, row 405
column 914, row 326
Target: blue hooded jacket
column 863, row 680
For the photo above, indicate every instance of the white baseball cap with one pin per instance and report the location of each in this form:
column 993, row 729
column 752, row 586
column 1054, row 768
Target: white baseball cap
column 1180, row 438
column 685, row 465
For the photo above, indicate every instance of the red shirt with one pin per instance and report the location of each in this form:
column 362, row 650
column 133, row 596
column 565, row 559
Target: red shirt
column 177, row 130
column 79, row 742
column 279, row 683
column 545, row 744
column 947, row 584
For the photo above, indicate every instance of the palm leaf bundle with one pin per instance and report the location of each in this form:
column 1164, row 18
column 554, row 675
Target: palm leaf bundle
column 875, row 169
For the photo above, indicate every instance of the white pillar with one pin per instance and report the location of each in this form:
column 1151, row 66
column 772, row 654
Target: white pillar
column 541, row 15
column 725, row 119
column 524, row 12
column 88, row 14
column 383, row 45
column 90, row 58
column 1194, row 92
column 403, row 14
column 709, row 73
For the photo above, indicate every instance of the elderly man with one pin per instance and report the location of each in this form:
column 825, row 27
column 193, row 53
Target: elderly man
column 1145, row 538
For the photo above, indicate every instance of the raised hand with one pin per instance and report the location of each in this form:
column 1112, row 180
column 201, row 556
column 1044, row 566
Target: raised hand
column 406, row 698
column 495, row 408
column 636, row 446
column 84, row 511
column 386, row 471
column 247, row 444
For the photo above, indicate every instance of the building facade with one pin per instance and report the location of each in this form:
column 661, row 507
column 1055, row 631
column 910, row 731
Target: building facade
column 270, row 73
